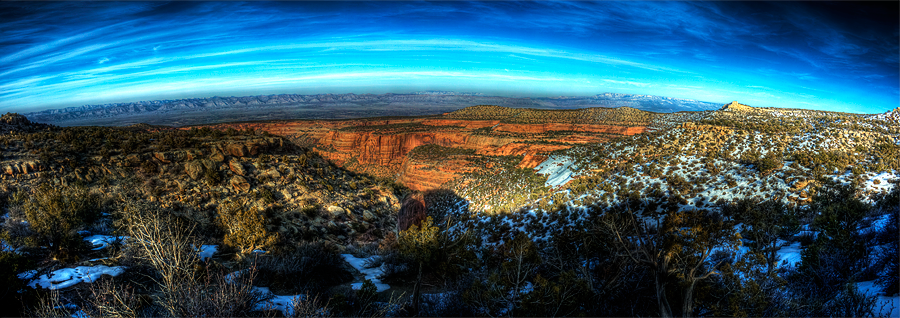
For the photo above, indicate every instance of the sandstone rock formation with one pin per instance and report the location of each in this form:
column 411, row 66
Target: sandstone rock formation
column 380, row 146
column 735, row 106
column 12, row 122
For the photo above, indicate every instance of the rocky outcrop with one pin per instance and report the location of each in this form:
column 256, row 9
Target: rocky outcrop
column 25, row 167
column 531, row 161
column 386, row 149
column 14, row 119
column 583, row 128
column 381, row 146
column 735, row 106
column 421, row 176
column 237, row 150
column 12, row 122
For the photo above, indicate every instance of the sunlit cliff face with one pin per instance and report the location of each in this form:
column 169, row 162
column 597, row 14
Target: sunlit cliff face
column 840, row 57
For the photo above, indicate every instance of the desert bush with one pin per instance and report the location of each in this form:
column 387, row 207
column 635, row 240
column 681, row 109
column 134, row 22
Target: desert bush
column 311, row 211
column 309, row 306
column 245, row 228
column 419, row 239
column 850, row 302
column 218, row 294
column 309, row 267
column 769, row 163
column 888, row 258
column 266, row 195
column 499, row 289
column 167, row 244
column 108, row 299
column 49, row 304
column 345, row 302
column 212, row 176
column 56, row 213
column 764, row 223
column 11, row 264
column 838, row 253
column 565, row 296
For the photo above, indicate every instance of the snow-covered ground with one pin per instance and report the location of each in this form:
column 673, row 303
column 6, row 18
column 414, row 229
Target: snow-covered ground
column 102, row 241
column 789, row 255
column 880, row 182
column 67, row 277
column 887, row 306
column 207, row 251
column 371, row 274
column 283, row 303
column 557, row 169
column 8, row 248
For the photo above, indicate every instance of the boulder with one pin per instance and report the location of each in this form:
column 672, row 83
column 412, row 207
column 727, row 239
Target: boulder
column 237, row 150
column 163, row 157
column 217, row 157
column 132, row 160
column 255, row 147
column 240, row 184
column 14, row 119
column 193, row 169
column 336, row 211
column 236, row 167
column 273, row 173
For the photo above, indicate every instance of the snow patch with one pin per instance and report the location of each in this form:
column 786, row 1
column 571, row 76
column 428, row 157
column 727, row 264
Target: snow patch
column 557, row 169
column 282, row 303
column 102, row 241
column 371, row 274
column 789, row 255
column 886, row 306
column 67, row 277
column 207, row 251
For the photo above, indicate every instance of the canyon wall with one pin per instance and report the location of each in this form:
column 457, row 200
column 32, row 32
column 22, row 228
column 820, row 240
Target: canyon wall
column 381, row 146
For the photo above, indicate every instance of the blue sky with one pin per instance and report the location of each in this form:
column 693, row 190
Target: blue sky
column 818, row 55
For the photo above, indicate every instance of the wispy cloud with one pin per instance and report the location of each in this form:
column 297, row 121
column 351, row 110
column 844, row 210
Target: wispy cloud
column 65, row 53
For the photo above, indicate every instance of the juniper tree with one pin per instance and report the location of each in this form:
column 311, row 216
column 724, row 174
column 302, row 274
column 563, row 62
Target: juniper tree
column 677, row 248
column 419, row 242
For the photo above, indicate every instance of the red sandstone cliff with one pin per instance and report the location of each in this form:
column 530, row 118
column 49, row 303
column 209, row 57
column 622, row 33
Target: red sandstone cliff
column 381, row 146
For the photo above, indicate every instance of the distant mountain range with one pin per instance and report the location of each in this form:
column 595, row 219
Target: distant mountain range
column 334, row 106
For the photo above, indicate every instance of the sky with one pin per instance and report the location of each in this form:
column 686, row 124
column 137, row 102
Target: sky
column 839, row 56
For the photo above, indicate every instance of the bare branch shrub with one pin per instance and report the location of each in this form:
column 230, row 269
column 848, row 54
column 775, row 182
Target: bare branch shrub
column 49, row 305
column 166, row 243
column 186, row 287
column 309, row 307
column 219, row 295
column 110, row 300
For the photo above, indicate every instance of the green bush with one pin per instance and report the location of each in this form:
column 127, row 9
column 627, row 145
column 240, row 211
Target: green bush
column 889, row 275
column 56, row 213
column 212, row 177
column 245, row 228
column 11, row 264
